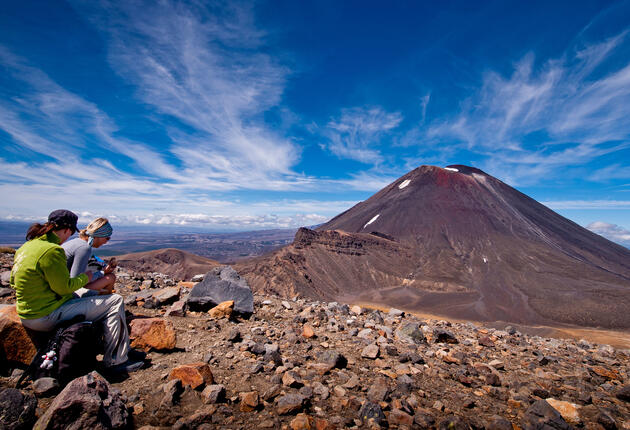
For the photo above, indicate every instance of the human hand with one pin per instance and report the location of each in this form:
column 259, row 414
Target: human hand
column 106, row 290
column 111, row 266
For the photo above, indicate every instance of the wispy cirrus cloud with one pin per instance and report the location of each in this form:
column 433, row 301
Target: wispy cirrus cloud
column 57, row 124
column 611, row 232
column 204, row 68
column 561, row 113
column 357, row 132
column 205, row 82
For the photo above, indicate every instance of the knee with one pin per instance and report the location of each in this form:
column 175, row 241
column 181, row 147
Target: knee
column 116, row 300
column 110, row 277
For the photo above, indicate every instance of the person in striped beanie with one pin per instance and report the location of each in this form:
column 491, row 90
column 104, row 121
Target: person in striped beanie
column 79, row 252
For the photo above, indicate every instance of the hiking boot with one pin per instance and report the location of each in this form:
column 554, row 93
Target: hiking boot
column 126, row 367
column 136, row 355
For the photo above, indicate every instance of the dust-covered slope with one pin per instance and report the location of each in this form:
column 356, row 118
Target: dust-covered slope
column 178, row 264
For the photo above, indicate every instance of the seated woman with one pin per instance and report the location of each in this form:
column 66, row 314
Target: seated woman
column 79, row 251
column 44, row 290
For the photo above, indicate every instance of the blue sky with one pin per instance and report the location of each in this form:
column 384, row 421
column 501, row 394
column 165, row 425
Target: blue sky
column 252, row 115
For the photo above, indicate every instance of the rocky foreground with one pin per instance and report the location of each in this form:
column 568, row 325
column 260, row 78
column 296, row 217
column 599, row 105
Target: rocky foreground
column 312, row 365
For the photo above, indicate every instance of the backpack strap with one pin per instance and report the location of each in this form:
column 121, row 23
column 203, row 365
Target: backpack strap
column 34, row 364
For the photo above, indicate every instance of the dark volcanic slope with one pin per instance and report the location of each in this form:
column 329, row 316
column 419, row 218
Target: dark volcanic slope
column 460, row 243
column 178, row 264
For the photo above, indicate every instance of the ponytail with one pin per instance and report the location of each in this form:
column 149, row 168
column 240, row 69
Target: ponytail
column 38, row 229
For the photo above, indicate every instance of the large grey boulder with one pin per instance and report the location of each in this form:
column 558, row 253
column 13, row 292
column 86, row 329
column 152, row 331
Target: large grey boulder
column 220, row 285
column 86, row 402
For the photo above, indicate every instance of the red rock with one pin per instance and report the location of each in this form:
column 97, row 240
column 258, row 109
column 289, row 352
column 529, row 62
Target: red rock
column 222, row 310
column 322, row 424
column 606, row 373
column 14, row 339
column 249, row 401
column 184, row 284
column 307, row 331
column 152, row 333
column 301, row 422
column 486, row 341
column 194, row 374
column 399, row 418
column 177, row 309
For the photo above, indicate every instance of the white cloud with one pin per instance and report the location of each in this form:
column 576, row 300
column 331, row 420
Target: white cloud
column 356, row 133
column 204, row 68
column 576, row 113
column 611, row 232
column 588, row 204
column 190, row 66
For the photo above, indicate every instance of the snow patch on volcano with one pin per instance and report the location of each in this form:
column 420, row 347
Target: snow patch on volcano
column 372, row 220
column 452, row 169
column 480, row 178
column 404, row 183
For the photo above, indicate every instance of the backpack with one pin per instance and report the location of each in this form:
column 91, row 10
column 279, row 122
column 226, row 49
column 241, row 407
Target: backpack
column 69, row 353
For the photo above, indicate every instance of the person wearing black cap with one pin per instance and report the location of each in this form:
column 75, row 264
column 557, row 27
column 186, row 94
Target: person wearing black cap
column 44, row 290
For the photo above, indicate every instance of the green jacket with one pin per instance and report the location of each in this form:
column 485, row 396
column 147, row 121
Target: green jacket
column 40, row 277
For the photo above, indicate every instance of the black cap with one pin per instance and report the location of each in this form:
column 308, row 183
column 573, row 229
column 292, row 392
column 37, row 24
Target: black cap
column 63, row 218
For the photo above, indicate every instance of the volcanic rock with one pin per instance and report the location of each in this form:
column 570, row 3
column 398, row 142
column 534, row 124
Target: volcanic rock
column 177, row 309
column 17, row 410
column 167, row 295
column 624, row 393
column 410, row 333
column 219, row 285
column 5, row 277
column 301, row 422
column 400, row 418
column 370, row 351
column 569, row 411
column 15, row 342
column 444, row 336
column 541, row 415
column 372, row 412
column 214, row 393
column 152, row 333
column 249, row 401
column 195, row 374
column 86, row 402
column 307, row 331
column 290, row 403
column 44, row 387
column 222, row 310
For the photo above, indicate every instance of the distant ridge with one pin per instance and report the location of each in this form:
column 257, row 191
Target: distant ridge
column 458, row 242
column 180, row 265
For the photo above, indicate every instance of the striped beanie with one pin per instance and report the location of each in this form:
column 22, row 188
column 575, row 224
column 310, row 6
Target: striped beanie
column 103, row 231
